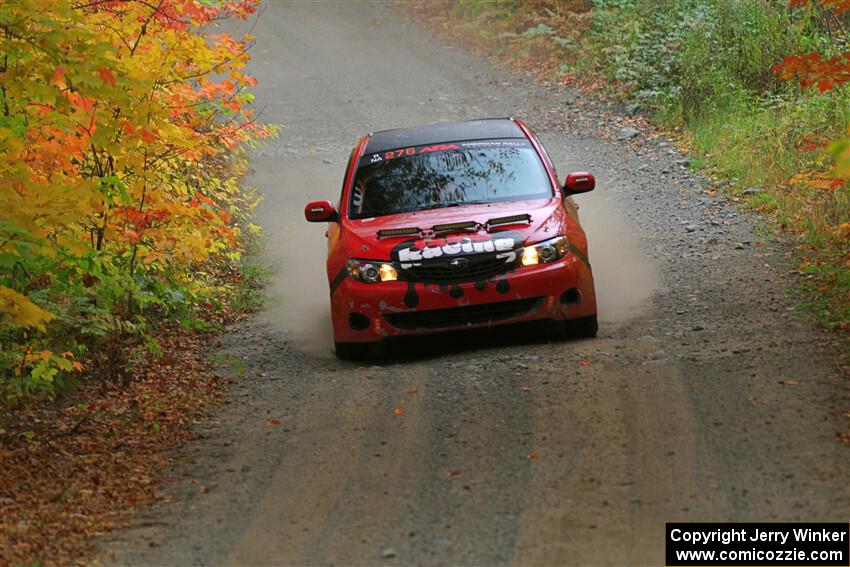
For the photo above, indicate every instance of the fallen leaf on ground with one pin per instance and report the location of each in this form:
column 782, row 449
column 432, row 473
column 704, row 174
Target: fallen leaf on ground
column 274, row 422
column 534, row 456
column 398, row 411
column 106, row 447
column 584, row 362
column 455, row 473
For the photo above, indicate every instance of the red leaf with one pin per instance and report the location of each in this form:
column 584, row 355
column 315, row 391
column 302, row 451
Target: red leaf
column 147, row 136
column 825, row 85
column 584, row 362
column 106, row 76
column 274, row 422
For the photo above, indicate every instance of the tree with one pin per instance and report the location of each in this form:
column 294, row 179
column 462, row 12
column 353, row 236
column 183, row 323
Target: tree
column 121, row 124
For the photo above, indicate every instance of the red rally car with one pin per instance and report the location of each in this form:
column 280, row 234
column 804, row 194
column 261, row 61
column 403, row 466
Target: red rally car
column 452, row 226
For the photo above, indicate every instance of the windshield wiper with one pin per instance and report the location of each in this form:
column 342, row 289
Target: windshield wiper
column 461, row 204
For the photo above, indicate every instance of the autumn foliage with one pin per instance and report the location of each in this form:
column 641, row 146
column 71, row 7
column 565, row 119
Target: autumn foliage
column 121, row 129
column 814, row 70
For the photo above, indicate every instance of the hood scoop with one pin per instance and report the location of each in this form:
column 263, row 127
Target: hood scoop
column 470, row 226
column 390, row 232
column 454, row 226
column 513, row 219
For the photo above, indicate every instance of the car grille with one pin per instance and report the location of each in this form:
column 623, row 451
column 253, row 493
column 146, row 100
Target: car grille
column 467, row 315
column 480, row 267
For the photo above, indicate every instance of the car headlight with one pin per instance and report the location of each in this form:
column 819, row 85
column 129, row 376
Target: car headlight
column 545, row 252
column 371, row 272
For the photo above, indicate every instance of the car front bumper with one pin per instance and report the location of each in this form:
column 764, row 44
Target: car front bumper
column 364, row 312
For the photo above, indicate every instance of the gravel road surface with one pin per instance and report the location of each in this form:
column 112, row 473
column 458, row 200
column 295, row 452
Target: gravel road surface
column 706, row 397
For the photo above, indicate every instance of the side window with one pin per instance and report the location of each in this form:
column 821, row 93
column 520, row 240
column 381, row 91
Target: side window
column 344, row 176
column 549, row 162
column 546, row 157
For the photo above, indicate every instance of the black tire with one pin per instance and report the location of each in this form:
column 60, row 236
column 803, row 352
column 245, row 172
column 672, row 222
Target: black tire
column 351, row 351
column 584, row 328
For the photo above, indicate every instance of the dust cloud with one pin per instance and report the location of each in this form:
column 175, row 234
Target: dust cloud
column 298, row 302
column 624, row 275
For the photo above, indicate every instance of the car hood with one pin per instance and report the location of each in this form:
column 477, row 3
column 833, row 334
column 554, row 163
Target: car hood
column 546, row 221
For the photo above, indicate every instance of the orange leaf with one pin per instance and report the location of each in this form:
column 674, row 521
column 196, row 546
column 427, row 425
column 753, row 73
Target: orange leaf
column 455, row 473
column 534, row 456
column 274, row 422
column 132, row 236
column 398, row 412
column 40, row 355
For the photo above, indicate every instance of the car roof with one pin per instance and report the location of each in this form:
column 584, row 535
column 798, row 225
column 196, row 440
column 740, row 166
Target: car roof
column 483, row 129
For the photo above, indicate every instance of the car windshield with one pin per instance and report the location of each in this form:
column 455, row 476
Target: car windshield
column 446, row 175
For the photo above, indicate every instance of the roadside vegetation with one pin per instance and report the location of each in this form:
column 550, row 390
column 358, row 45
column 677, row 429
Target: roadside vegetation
column 754, row 90
column 124, row 227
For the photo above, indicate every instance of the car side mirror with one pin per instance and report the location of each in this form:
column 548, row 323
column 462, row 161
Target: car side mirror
column 579, row 182
column 320, row 211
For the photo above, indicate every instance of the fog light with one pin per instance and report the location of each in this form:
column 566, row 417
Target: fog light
column 571, row 296
column 358, row 321
column 529, row 256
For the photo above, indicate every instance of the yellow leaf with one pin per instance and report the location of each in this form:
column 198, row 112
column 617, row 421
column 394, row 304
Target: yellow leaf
column 20, row 311
column 40, row 355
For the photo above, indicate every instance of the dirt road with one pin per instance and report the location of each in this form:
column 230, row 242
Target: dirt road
column 706, row 397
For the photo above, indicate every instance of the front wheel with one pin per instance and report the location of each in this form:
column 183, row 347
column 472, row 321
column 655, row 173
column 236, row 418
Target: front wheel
column 583, row 328
column 351, row 351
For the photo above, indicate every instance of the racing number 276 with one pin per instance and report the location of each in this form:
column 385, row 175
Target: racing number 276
column 399, row 153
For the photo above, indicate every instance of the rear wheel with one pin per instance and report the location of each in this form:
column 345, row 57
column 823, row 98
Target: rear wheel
column 583, row 328
column 351, row 351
